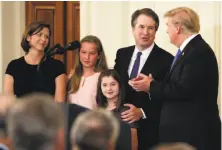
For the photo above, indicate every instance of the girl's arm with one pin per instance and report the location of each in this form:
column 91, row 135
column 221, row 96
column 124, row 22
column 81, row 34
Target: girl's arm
column 70, row 74
column 134, row 139
column 60, row 88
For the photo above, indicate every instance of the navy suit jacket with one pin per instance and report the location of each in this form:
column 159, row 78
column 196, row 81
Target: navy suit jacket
column 190, row 113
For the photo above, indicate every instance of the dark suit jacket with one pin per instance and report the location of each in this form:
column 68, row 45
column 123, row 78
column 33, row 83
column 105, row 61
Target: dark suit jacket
column 71, row 112
column 157, row 64
column 190, row 112
column 124, row 141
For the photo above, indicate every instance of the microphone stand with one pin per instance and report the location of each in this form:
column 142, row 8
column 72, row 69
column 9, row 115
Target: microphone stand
column 57, row 49
column 40, row 76
column 47, row 54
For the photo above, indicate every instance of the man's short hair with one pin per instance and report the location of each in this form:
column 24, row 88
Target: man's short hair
column 145, row 11
column 34, row 122
column 186, row 17
column 95, row 130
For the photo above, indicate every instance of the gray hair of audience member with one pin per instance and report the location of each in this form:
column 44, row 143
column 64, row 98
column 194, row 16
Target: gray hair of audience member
column 33, row 122
column 174, row 146
column 95, row 130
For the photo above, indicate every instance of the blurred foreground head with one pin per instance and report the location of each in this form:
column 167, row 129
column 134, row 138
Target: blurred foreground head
column 34, row 122
column 95, row 130
column 174, row 146
column 6, row 102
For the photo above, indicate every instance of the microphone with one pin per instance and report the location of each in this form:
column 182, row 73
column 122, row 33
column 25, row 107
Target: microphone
column 71, row 46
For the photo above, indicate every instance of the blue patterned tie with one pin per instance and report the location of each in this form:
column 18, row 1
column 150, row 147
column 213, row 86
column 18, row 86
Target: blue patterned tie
column 175, row 58
column 136, row 66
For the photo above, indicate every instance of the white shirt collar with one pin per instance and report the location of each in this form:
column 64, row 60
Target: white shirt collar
column 184, row 44
column 145, row 52
column 143, row 58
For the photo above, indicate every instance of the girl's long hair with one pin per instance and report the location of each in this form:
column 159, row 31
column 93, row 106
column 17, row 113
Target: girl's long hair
column 100, row 98
column 101, row 63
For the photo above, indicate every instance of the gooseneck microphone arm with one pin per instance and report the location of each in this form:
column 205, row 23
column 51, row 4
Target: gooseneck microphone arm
column 47, row 54
column 57, row 49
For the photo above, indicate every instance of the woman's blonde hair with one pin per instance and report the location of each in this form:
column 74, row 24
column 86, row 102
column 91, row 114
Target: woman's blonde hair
column 100, row 66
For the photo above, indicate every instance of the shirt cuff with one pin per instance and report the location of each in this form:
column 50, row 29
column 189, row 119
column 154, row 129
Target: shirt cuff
column 149, row 95
column 149, row 90
column 144, row 116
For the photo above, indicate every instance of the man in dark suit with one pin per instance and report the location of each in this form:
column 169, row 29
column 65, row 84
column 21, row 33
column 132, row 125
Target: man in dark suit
column 190, row 112
column 145, row 57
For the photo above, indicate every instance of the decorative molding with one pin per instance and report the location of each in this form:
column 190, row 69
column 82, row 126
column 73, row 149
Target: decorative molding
column 1, row 60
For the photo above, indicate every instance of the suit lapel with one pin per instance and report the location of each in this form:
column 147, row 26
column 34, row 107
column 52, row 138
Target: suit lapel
column 151, row 60
column 127, row 60
column 180, row 58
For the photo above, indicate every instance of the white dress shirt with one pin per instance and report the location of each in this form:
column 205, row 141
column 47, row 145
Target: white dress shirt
column 184, row 44
column 143, row 58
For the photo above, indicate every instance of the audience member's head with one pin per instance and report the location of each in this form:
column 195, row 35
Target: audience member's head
column 34, row 122
column 174, row 146
column 6, row 102
column 95, row 130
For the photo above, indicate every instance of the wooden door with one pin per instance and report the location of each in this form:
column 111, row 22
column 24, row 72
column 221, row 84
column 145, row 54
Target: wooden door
column 64, row 20
column 72, row 30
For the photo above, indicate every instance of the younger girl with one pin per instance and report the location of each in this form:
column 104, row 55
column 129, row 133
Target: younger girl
column 110, row 95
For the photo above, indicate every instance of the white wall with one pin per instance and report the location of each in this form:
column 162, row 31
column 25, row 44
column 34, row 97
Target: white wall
column 110, row 21
column 12, row 24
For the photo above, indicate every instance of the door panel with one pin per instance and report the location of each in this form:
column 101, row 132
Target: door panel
column 73, row 31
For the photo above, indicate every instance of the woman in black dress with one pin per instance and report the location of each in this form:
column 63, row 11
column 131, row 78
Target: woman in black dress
column 22, row 76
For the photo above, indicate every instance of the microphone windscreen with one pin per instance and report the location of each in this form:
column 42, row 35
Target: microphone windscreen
column 73, row 45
